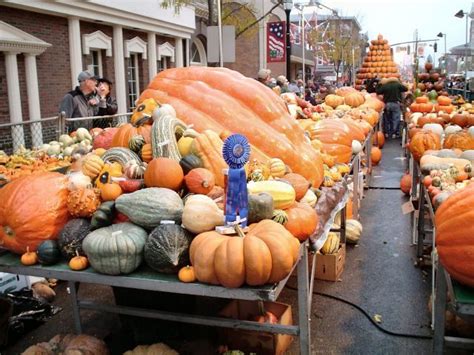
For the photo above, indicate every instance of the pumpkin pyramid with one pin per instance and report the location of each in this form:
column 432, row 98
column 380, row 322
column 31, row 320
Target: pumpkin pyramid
column 377, row 64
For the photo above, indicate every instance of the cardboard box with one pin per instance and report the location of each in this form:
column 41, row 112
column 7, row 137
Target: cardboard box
column 12, row 282
column 253, row 341
column 330, row 267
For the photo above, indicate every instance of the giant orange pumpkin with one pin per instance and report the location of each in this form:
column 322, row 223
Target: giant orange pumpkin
column 220, row 98
column 423, row 141
column 32, row 209
column 164, row 172
column 302, row 220
column 454, row 221
column 266, row 254
column 341, row 153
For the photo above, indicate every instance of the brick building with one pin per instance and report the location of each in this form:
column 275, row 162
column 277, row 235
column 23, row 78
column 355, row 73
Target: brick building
column 45, row 44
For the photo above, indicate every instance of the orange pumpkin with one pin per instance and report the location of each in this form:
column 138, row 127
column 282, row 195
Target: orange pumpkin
column 302, row 220
column 460, row 119
column 341, row 153
column 187, row 274
column 164, row 172
column 423, row 141
column 444, row 100
column 127, row 131
column 460, row 140
column 266, row 254
column 446, row 109
column 405, row 184
column 354, row 99
column 200, row 181
column 299, row 183
column 422, row 100
column 454, row 221
column 375, row 155
column 378, row 139
column 33, row 209
column 83, row 202
column 110, row 191
column 146, row 153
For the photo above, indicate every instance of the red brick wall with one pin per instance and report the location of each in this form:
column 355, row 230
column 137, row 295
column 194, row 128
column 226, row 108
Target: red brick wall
column 52, row 66
column 246, row 46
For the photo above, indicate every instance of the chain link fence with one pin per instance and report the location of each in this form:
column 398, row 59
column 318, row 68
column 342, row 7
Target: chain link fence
column 32, row 134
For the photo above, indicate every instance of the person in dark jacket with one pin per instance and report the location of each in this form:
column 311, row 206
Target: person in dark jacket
column 392, row 90
column 107, row 103
column 82, row 101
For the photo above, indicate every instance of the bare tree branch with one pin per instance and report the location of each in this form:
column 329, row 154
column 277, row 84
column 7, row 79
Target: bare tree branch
column 257, row 20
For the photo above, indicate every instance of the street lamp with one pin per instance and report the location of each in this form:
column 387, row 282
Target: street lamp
column 288, row 5
column 461, row 14
column 440, row 35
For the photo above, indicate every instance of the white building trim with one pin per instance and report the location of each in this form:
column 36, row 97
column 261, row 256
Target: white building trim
column 179, row 52
column 165, row 50
column 75, row 55
column 14, row 99
column 135, row 45
column 13, row 39
column 202, row 52
column 120, row 78
column 96, row 40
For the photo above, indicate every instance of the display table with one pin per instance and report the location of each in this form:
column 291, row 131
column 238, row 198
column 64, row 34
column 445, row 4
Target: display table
column 146, row 279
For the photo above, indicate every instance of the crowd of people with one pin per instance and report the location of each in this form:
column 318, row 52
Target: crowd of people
column 395, row 95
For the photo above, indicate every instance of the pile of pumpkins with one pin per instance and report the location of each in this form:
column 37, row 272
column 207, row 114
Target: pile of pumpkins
column 377, row 64
column 430, row 82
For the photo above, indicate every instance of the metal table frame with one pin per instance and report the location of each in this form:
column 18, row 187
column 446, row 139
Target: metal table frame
column 169, row 283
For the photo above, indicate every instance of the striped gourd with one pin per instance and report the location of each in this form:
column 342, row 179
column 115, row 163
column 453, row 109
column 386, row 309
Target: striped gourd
column 121, row 156
column 280, row 216
column 163, row 137
column 136, row 143
column 331, row 246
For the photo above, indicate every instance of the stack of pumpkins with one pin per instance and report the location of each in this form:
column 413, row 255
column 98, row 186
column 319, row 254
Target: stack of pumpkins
column 377, row 64
column 430, row 81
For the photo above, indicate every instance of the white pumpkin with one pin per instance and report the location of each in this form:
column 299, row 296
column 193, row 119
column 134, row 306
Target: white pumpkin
column 356, row 147
column 470, row 130
column 452, row 129
column 66, row 140
column 415, row 116
column 82, row 134
column 310, row 198
column 78, row 180
column 44, row 147
column 54, row 149
column 436, row 128
column 201, row 214
column 68, row 151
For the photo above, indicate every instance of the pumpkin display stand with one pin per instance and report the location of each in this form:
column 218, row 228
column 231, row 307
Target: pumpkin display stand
column 251, row 341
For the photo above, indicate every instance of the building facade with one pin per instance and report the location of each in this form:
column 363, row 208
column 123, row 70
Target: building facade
column 45, row 45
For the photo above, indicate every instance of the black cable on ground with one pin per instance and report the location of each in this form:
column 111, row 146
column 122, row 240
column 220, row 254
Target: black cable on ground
column 367, row 315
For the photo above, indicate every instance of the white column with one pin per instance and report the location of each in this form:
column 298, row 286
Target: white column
column 151, row 55
column 14, row 99
column 120, row 79
column 75, row 53
column 188, row 52
column 178, row 58
column 34, row 107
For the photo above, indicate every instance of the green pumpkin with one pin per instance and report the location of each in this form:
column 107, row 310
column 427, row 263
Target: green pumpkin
column 260, row 207
column 136, row 143
column 190, row 162
column 167, row 248
column 280, row 216
column 71, row 236
column 115, row 250
column 48, row 252
column 148, row 207
column 103, row 216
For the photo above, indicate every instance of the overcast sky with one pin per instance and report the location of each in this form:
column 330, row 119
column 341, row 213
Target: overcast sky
column 397, row 20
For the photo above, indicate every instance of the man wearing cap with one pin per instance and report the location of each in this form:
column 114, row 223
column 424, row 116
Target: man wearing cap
column 83, row 100
column 264, row 76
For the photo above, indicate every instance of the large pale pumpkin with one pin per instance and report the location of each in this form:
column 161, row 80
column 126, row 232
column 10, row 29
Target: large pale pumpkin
column 221, row 99
column 264, row 255
column 33, row 209
column 454, row 221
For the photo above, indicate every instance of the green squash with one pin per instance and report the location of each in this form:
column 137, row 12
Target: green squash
column 103, row 216
column 148, row 207
column 115, row 250
column 260, row 207
column 167, row 248
column 71, row 236
column 48, row 252
column 190, row 162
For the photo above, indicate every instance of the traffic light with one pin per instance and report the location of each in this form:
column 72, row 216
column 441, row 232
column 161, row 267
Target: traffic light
column 435, row 47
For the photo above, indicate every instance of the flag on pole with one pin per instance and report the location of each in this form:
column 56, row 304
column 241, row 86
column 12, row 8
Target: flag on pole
column 276, row 42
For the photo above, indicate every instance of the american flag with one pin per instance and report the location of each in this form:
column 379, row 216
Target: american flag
column 276, row 41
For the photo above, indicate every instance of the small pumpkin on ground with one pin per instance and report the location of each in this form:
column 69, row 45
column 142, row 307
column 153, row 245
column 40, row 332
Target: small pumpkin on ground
column 29, row 258
column 187, row 274
column 405, row 184
column 375, row 155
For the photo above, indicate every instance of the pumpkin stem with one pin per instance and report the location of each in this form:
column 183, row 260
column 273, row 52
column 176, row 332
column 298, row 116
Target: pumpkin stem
column 239, row 231
column 8, row 231
column 77, row 252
